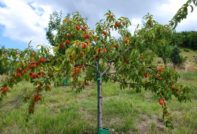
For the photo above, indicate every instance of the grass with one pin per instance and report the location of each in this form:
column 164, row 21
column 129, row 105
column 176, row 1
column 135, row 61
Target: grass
column 189, row 54
column 63, row 111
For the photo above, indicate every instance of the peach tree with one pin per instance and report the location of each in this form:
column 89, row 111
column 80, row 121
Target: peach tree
column 83, row 55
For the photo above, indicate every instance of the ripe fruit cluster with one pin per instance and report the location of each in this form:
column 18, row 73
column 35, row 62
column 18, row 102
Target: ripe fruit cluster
column 117, row 25
column 34, row 64
column 20, row 72
column 67, row 42
column 76, row 70
column 37, row 97
column 83, row 27
column 101, row 50
column 161, row 101
column 86, row 36
column 36, row 75
column 83, row 45
column 23, row 70
column 104, row 33
column 42, row 60
column 159, row 69
column 4, row 89
column 81, row 32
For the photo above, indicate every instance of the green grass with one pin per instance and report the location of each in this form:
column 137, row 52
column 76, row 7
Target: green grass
column 188, row 78
column 188, row 53
column 63, row 111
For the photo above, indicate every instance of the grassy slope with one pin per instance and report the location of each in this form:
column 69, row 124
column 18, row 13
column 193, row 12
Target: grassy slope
column 188, row 54
column 65, row 112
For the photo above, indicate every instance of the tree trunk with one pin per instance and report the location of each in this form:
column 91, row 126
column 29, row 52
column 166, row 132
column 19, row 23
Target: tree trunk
column 174, row 66
column 99, row 97
column 100, row 114
column 165, row 62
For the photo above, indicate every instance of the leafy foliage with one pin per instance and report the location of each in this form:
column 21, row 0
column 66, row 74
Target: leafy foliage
column 8, row 57
column 53, row 26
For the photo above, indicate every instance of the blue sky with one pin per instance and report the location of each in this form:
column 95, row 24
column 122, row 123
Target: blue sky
column 9, row 43
column 22, row 21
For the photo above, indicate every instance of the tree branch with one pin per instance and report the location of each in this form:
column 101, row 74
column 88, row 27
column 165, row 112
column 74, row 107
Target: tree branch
column 89, row 65
column 107, row 69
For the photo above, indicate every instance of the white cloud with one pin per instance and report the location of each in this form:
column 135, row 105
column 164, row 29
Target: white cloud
column 135, row 23
column 24, row 21
column 190, row 23
column 167, row 10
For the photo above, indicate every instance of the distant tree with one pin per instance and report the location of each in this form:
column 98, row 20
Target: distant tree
column 8, row 60
column 3, row 69
column 53, row 26
column 185, row 39
column 175, row 57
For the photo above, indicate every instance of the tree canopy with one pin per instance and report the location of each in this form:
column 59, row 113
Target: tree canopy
column 82, row 55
